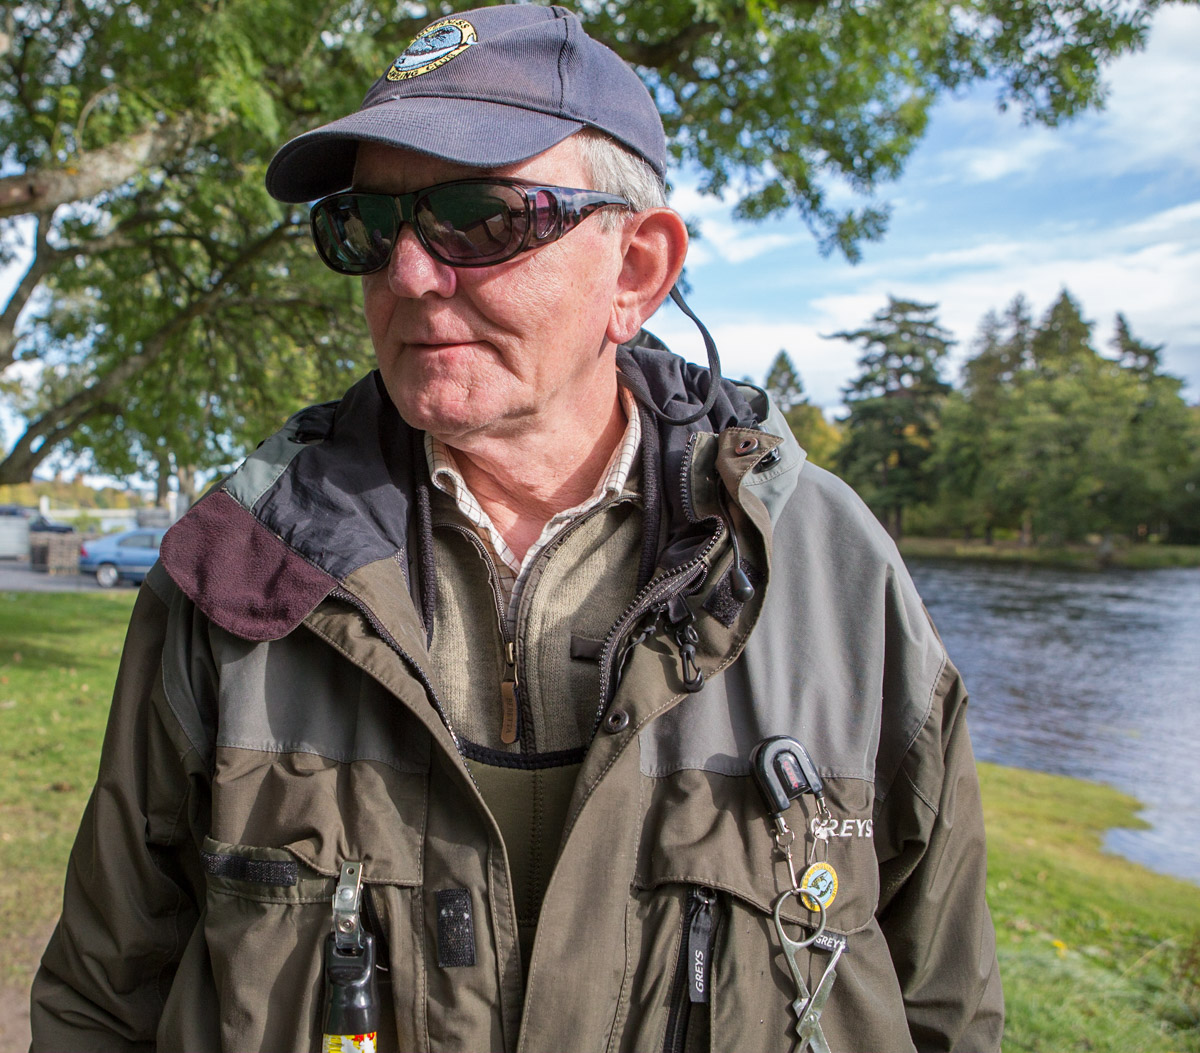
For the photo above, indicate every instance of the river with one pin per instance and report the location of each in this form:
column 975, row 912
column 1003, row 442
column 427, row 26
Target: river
column 1085, row 673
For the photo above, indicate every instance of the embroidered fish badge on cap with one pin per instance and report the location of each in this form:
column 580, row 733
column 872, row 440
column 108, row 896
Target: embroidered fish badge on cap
column 434, row 46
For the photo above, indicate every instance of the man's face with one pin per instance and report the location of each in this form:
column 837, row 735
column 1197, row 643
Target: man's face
column 474, row 354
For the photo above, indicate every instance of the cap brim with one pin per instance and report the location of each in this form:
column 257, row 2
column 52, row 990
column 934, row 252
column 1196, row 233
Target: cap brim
column 464, row 131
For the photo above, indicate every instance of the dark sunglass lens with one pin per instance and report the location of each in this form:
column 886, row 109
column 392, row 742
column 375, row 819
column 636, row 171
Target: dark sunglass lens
column 355, row 232
column 472, row 222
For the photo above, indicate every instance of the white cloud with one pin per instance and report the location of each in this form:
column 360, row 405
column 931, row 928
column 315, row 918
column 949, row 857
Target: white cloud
column 724, row 239
column 1066, row 244
column 1154, row 285
column 740, row 242
column 988, row 254
column 1149, row 127
column 748, row 346
column 1148, row 268
column 1151, row 117
column 1148, row 124
column 1171, row 222
column 986, row 164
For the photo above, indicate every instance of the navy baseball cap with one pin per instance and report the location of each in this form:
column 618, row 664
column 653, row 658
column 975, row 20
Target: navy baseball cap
column 485, row 88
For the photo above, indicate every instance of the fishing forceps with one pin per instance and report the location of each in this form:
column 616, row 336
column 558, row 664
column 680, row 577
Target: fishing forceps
column 808, row 1007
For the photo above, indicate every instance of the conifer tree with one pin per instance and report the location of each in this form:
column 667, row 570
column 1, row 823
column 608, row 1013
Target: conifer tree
column 818, row 437
column 783, row 383
column 894, row 405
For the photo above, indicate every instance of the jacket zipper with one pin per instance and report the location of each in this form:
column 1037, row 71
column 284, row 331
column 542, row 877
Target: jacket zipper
column 693, row 969
column 346, row 596
column 652, row 599
column 510, row 691
column 655, row 598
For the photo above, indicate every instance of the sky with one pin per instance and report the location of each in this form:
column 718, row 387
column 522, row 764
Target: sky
column 1107, row 206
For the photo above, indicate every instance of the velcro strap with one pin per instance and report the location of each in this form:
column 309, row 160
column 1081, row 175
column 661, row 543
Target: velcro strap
column 455, row 928
column 243, row 868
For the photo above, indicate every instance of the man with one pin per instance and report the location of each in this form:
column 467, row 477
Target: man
column 487, row 647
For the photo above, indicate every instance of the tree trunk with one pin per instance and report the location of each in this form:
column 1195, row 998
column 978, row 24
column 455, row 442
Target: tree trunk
column 162, row 484
column 187, row 488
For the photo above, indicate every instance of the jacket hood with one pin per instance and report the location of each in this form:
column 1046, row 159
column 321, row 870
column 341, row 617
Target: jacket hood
column 335, row 489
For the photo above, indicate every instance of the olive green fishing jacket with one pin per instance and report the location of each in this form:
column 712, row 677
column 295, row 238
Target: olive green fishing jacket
column 278, row 713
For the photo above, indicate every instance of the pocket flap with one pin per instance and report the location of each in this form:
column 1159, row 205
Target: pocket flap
column 703, row 828
column 322, row 811
column 266, row 875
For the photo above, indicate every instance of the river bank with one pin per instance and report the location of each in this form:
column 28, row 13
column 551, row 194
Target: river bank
column 1086, row 674
column 1096, row 953
column 1086, row 557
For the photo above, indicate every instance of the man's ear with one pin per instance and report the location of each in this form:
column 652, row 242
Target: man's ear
column 655, row 245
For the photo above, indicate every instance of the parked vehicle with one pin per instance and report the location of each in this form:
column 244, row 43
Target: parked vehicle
column 40, row 524
column 126, row 556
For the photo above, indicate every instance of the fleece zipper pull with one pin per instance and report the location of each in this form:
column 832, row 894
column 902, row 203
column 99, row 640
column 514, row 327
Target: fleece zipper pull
column 510, row 724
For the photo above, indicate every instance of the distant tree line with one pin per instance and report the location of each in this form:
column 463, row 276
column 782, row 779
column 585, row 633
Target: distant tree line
column 1043, row 438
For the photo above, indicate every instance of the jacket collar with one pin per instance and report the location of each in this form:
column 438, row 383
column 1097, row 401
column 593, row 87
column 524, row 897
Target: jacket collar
column 335, row 489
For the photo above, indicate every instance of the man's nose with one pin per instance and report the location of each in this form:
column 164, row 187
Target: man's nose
column 413, row 272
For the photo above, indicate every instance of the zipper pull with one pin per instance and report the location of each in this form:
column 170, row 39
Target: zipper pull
column 699, row 944
column 510, row 728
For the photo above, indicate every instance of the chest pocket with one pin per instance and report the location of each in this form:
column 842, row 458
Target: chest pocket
column 707, row 845
column 314, row 755
column 315, row 762
column 267, row 915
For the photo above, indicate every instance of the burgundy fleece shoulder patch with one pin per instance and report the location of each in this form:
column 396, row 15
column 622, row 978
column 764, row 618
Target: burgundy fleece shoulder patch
column 243, row 577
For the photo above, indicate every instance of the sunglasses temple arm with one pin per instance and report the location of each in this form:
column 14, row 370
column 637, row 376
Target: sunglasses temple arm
column 573, row 208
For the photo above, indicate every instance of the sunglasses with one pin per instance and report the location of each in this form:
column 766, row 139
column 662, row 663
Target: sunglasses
column 466, row 223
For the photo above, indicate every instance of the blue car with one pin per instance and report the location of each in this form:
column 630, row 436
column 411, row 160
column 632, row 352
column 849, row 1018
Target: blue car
column 120, row 557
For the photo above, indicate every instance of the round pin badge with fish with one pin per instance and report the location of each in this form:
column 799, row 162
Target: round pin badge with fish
column 434, row 46
column 820, row 882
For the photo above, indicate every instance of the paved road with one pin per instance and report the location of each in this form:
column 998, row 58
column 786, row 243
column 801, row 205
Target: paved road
column 19, row 576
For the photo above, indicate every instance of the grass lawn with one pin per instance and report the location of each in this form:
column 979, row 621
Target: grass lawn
column 1097, row 953
column 58, row 661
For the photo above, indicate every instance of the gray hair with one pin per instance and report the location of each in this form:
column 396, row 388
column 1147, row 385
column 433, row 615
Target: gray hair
column 615, row 169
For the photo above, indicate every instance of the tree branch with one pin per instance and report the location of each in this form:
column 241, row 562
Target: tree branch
column 44, row 260
column 58, row 423
column 94, row 171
